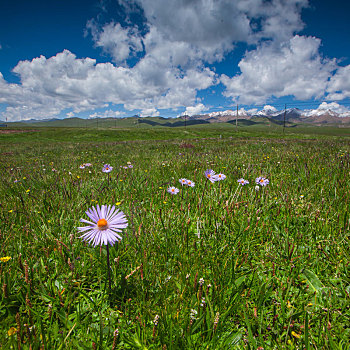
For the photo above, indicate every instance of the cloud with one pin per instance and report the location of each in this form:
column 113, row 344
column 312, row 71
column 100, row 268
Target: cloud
column 121, row 43
column 193, row 110
column 149, row 112
column 339, row 85
column 107, row 114
column 213, row 26
column 70, row 115
column 333, row 106
column 50, row 85
column 293, row 68
column 164, row 60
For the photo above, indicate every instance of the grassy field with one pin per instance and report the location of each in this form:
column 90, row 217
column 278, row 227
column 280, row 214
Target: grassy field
column 217, row 266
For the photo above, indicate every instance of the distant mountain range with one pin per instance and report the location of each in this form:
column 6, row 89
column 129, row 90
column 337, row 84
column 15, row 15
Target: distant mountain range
column 268, row 114
column 292, row 115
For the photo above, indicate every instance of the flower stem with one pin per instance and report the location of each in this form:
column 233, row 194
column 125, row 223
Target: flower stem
column 109, row 270
column 205, row 185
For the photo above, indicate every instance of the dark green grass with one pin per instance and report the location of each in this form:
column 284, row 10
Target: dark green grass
column 275, row 262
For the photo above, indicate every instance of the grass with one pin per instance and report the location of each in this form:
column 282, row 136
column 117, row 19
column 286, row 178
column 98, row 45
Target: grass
column 243, row 270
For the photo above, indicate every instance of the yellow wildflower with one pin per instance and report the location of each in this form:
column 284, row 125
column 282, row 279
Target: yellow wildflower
column 5, row 258
column 12, row 331
column 296, row 335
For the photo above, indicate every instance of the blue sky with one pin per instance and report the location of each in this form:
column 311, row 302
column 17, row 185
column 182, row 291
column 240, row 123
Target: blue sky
column 123, row 57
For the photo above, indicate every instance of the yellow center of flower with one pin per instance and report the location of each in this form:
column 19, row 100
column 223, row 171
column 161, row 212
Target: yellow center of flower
column 261, row 180
column 172, row 190
column 208, row 175
column 189, row 182
column 102, row 224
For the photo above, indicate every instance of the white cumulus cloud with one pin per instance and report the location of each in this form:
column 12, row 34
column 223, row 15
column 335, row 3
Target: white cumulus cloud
column 339, row 85
column 164, row 62
column 193, row 110
column 50, row 85
column 332, row 106
column 293, row 68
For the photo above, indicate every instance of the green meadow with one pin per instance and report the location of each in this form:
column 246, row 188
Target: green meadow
column 216, row 266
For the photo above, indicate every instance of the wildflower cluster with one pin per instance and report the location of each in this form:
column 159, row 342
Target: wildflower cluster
column 262, row 181
column 127, row 166
column 85, row 165
column 243, row 182
column 186, row 182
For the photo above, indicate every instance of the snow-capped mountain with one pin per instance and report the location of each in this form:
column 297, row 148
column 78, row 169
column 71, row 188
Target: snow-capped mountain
column 268, row 111
column 331, row 113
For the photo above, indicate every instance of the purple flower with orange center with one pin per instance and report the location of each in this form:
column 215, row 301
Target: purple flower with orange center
column 220, row 177
column 107, row 222
column 190, row 183
column 173, row 190
column 107, row 168
column 262, row 181
column 210, row 175
column 243, row 182
column 183, row 181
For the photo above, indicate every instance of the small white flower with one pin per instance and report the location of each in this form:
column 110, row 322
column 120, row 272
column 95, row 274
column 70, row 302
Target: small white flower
column 156, row 319
column 193, row 314
column 167, row 279
column 257, row 188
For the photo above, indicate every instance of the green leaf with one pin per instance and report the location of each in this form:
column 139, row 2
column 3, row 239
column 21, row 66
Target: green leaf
column 313, row 280
column 233, row 339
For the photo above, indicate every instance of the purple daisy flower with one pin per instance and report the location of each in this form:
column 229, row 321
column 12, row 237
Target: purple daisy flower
column 87, row 164
column 130, row 166
column 190, row 183
column 210, row 175
column 183, row 181
column 243, row 182
column 106, row 222
column 220, row 177
column 262, row 181
column 107, row 168
column 173, row 190
column 82, row 166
